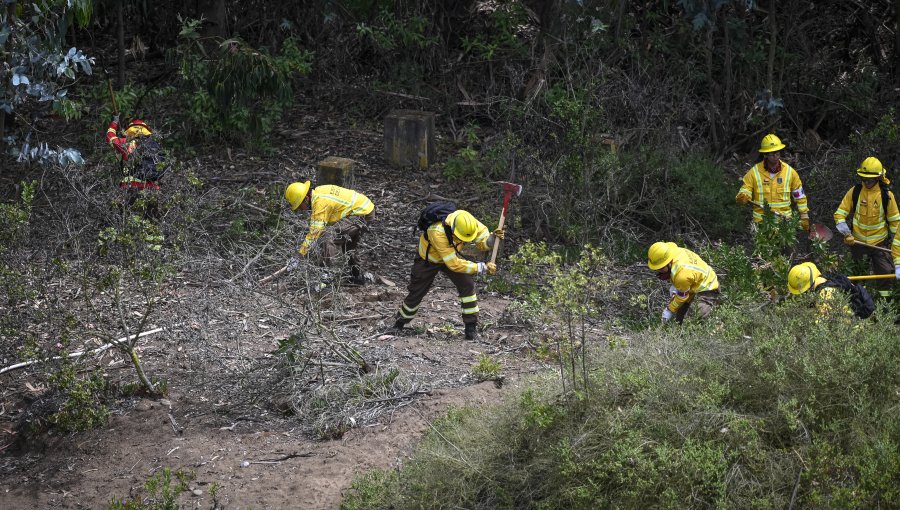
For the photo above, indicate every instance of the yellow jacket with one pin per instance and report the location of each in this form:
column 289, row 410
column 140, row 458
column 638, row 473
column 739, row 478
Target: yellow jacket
column 690, row 275
column 443, row 252
column 869, row 224
column 777, row 190
column 329, row 204
column 895, row 248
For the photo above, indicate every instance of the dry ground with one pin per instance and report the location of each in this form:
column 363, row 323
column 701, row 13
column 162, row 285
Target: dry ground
column 221, row 419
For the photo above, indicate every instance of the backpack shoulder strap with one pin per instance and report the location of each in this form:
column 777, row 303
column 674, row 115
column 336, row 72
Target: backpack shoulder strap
column 857, row 189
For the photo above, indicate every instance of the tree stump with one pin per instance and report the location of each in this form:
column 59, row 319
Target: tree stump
column 409, row 138
column 334, row 170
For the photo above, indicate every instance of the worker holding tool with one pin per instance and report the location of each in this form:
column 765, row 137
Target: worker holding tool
column 773, row 182
column 143, row 161
column 693, row 280
column 338, row 219
column 806, row 276
column 438, row 251
column 868, row 218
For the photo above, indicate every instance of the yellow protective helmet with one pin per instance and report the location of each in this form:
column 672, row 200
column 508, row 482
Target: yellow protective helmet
column 770, row 143
column 464, row 226
column 660, row 254
column 296, row 193
column 802, row 276
column 870, row 168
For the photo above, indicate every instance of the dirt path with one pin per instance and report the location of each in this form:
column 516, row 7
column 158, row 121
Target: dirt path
column 218, row 330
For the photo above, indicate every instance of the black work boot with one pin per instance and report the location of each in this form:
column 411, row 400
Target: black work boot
column 399, row 323
column 471, row 331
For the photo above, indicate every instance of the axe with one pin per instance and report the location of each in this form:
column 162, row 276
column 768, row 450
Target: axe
column 508, row 190
column 853, row 242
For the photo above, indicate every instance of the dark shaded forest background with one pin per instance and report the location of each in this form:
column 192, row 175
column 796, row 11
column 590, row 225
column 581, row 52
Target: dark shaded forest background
column 626, row 120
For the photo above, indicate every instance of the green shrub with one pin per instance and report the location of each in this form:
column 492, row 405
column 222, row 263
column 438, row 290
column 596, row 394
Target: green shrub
column 162, row 492
column 726, row 414
column 487, row 369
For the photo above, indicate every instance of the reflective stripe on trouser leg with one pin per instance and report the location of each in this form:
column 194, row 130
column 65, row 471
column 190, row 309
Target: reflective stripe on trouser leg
column 406, row 312
column 469, row 306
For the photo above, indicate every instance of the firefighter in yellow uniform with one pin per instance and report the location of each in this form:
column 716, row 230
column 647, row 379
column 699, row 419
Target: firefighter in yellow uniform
column 873, row 217
column 692, row 280
column 438, row 251
column 806, row 276
column 339, row 218
column 774, row 182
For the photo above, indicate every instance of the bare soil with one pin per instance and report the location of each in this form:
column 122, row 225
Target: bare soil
column 217, row 351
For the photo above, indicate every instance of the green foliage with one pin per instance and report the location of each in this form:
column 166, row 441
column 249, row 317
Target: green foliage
column 372, row 489
column 239, row 91
column 721, row 414
column 84, row 406
column 390, row 32
column 699, row 189
column 15, row 217
column 162, row 492
column 487, row 369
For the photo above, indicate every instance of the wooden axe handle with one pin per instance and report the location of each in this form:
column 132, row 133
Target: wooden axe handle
column 496, row 239
column 272, row 276
column 879, row 248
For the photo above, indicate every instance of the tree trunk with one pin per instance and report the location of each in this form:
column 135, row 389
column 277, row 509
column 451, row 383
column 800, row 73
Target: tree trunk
column 216, row 15
column 896, row 58
column 773, row 40
column 148, row 385
column 120, row 41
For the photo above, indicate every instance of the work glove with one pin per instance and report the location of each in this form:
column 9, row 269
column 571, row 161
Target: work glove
column 293, row 263
column 897, row 271
column 849, row 240
column 843, row 228
column 804, row 223
column 672, row 290
column 742, row 199
column 116, row 118
column 491, row 268
column 500, row 233
column 667, row 314
column 482, row 268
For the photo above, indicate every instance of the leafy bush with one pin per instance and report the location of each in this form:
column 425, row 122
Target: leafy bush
column 162, row 492
column 762, row 408
column 239, row 93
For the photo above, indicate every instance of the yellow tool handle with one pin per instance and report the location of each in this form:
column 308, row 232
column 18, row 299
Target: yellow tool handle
column 873, row 277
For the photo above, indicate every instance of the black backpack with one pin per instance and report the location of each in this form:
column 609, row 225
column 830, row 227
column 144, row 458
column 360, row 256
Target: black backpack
column 149, row 162
column 431, row 214
column 860, row 300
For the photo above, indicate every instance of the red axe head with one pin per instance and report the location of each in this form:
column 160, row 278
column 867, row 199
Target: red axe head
column 511, row 189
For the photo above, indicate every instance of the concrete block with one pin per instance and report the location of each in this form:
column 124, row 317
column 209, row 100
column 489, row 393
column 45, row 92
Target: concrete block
column 334, row 170
column 409, row 138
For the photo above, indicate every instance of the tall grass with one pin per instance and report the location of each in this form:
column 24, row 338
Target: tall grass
column 760, row 407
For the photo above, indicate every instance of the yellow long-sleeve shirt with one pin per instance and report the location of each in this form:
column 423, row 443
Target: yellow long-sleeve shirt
column 690, row 275
column 444, row 251
column 778, row 190
column 895, row 248
column 870, row 224
column 329, row 204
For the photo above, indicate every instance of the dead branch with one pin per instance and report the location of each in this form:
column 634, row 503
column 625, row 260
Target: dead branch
column 124, row 340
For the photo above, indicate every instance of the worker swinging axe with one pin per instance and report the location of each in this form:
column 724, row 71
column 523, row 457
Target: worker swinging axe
column 509, row 190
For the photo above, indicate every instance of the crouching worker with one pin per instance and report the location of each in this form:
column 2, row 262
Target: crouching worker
column 692, row 280
column 338, row 220
column 143, row 162
column 806, row 276
column 438, row 251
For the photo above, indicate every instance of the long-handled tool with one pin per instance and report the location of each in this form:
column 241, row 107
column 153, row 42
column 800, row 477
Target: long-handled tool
column 873, row 276
column 113, row 96
column 509, row 189
column 855, row 243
